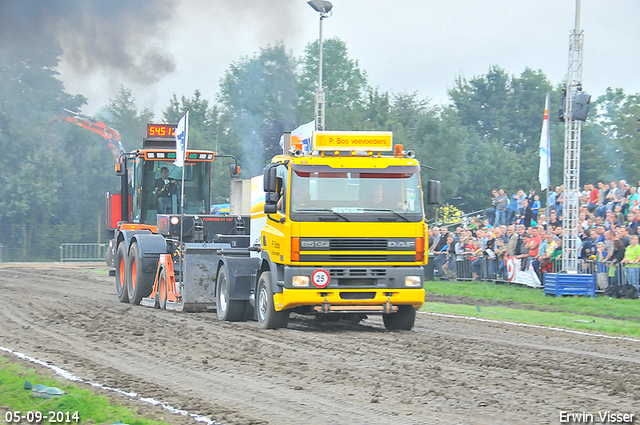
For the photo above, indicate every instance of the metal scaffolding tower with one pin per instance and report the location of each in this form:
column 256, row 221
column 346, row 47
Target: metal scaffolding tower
column 572, row 137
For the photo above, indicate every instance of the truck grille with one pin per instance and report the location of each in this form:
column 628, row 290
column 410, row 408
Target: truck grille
column 357, row 257
column 355, row 273
column 358, row 244
column 357, row 250
column 356, row 277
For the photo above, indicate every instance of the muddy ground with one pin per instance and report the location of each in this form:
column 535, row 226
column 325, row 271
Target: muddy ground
column 445, row 371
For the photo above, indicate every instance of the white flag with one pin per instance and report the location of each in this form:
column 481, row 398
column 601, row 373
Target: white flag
column 303, row 135
column 182, row 135
column 545, row 149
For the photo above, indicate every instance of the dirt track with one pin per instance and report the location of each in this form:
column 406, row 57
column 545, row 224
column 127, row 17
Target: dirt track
column 446, row 371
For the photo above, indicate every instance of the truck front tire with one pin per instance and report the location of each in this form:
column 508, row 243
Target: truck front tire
column 268, row 317
column 403, row 320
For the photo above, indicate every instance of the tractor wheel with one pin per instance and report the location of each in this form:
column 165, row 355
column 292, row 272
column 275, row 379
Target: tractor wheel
column 162, row 289
column 268, row 317
column 228, row 310
column 403, row 320
column 121, row 273
column 140, row 284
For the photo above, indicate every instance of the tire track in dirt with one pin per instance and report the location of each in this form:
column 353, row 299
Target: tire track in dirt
column 447, row 370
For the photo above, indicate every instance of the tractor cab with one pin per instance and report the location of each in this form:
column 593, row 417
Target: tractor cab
column 152, row 184
column 158, row 185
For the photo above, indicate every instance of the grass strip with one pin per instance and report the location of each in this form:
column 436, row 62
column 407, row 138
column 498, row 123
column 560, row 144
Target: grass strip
column 91, row 407
column 521, row 304
column 518, row 296
column 544, row 318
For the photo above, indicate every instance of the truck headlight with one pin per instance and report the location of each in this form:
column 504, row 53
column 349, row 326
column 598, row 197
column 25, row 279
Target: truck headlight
column 413, row 281
column 300, row 281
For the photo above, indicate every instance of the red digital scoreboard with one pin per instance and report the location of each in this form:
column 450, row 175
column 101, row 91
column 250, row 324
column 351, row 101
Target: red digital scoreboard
column 161, row 130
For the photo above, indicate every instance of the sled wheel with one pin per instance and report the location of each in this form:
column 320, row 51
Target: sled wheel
column 162, row 289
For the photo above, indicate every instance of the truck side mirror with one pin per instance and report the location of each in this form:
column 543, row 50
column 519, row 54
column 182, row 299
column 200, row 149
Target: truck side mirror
column 121, row 169
column 433, row 192
column 270, row 183
column 234, row 170
column 270, row 179
column 271, row 202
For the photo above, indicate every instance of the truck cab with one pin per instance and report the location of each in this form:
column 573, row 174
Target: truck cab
column 344, row 231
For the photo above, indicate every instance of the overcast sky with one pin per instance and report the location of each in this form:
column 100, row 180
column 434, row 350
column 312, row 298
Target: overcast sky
column 403, row 45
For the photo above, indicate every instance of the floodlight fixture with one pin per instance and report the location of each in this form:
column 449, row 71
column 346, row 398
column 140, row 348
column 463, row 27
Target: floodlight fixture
column 321, row 6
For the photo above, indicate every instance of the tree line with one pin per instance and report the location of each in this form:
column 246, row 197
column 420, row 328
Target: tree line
column 53, row 177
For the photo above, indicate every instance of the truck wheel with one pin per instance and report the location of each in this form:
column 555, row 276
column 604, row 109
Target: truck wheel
column 139, row 283
column 162, row 289
column 403, row 320
column 228, row 310
column 121, row 273
column 268, row 317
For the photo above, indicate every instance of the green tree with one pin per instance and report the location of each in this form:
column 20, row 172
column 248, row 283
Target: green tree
column 503, row 108
column 34, row 161
column 259, row 97
column 206, row 131
column 616, row 114
column 343, row 82
column 505, row 113
column 122, row 114
column 441, row 142
column 406, row 109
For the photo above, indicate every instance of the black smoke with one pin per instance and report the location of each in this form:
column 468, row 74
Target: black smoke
column 120, row 37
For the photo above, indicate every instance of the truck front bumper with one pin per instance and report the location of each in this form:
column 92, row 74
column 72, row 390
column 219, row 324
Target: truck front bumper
column 356, row 300
column 352, row 288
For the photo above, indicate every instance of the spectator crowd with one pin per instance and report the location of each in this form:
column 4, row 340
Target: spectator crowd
column 518, row 226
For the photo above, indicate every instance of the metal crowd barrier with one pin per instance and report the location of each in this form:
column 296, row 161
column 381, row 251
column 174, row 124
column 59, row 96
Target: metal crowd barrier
column 82, row 252
column 464, row 267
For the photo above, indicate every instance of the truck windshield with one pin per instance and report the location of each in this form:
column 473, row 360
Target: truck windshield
column 356, row 195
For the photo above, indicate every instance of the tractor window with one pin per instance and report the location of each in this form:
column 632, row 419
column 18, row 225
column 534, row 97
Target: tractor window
column 162, row 187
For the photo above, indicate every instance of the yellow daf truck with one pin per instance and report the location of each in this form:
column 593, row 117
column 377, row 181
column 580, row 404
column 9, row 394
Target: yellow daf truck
column 340, row 229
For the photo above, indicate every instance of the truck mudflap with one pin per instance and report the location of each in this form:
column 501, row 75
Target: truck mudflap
column 196, row 290
column 199, row 271
column 335, row 300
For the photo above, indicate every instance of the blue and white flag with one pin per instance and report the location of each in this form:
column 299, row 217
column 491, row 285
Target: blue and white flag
column 182, row 135
column 545, row 149
column 301, row 136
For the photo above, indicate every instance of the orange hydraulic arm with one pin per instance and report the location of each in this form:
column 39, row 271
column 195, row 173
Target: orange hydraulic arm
column 110, row 135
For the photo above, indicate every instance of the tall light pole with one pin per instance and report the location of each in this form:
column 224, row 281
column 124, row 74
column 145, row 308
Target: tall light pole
column 323, row 7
